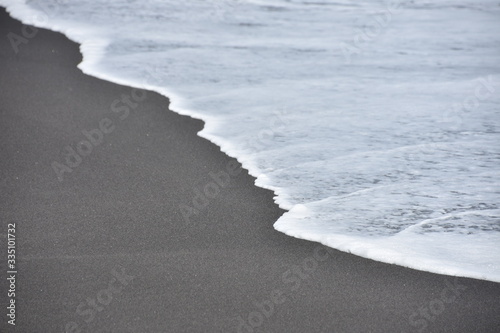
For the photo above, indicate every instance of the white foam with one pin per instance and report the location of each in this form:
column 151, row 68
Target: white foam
column 375, row 124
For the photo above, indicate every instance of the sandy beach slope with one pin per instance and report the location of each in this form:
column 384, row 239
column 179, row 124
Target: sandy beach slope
column 126, row 221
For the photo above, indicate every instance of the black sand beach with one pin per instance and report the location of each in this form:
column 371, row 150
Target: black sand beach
column 108, row 248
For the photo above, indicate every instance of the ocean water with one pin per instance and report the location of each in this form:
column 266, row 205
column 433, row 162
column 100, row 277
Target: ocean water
column 375, row 123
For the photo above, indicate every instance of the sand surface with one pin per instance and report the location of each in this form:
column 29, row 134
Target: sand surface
column 153, row 229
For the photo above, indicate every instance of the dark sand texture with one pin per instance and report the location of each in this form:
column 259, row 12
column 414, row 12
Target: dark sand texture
column 119, row 211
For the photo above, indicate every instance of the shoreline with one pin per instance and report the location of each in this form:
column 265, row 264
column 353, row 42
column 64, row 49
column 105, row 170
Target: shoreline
column 94, row 49
column 112, row 230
